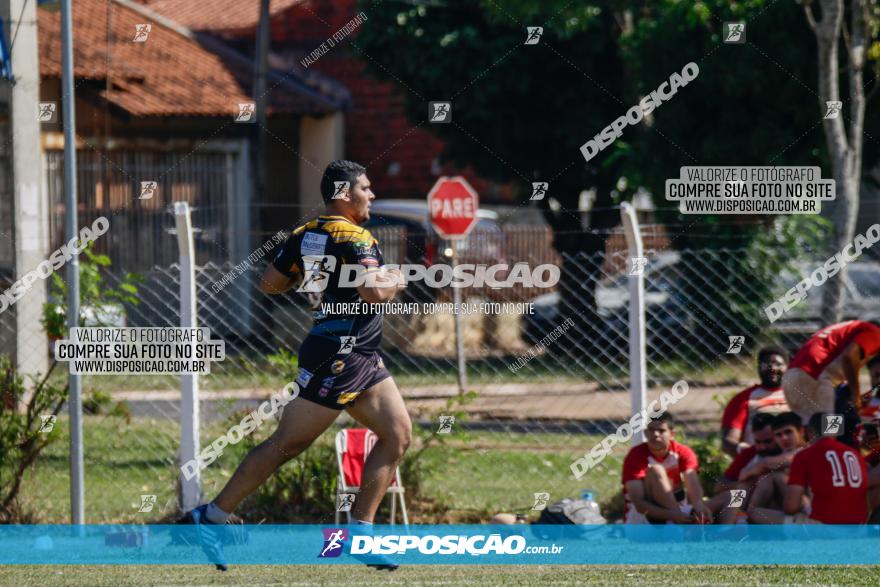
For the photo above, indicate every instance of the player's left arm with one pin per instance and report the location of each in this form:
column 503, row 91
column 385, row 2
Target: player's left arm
column 702, row 512
column 852, row 360
column 793, row 501
column 874, row 477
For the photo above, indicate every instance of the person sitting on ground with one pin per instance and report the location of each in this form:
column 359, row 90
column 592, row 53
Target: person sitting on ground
column 870, row 444
column 763, row 448
column 833, row 474
column 771, row 474
column 765, row 398
column 871, row 400
column 661, row 484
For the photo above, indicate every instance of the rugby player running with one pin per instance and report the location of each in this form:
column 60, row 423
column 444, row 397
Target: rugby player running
column 339, row 364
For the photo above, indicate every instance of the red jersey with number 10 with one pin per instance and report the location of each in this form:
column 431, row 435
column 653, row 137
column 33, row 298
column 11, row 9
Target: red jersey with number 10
column 827, row 344
column 837, row 477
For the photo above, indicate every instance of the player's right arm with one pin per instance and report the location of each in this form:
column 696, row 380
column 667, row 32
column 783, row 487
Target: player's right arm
column 793, row 501
column 852, row 360
column 283, row 272
column 382, row 285
column 733, row 422
column 275, row 282
column 635, row 490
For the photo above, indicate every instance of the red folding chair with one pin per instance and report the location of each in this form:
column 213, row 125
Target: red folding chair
column 352, row 447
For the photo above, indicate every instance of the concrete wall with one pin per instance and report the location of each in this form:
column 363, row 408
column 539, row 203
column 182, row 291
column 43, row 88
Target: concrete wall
column 321, row 141
column 29, row 205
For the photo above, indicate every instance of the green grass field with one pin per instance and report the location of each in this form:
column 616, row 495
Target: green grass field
column 469, row 478
column 113, row 576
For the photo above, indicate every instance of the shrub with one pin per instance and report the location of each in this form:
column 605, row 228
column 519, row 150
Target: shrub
column 22, row 404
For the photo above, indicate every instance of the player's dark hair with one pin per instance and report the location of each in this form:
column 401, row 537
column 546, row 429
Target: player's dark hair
column 768, row 351
column 664, row 417
column 786, row 419
column 875, row 360
column 339, row 170
column 815, row 424
column 761, row 420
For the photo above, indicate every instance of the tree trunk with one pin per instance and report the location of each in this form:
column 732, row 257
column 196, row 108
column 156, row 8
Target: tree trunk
column 845, row 152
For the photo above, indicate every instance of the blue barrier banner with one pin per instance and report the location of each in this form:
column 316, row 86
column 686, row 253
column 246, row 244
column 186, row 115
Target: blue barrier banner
column 439, row 544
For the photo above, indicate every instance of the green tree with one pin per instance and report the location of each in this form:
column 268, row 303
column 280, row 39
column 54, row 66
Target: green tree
column 519, row 112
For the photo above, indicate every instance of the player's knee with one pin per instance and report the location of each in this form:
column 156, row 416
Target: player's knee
column 399, row 439
column 403, row 438
column 656, row 472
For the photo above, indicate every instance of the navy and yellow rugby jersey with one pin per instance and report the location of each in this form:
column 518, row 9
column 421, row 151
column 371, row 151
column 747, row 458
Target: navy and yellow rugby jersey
column 317, row 250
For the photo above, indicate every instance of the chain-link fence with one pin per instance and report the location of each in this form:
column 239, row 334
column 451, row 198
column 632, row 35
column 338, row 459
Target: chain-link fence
column 549, row 380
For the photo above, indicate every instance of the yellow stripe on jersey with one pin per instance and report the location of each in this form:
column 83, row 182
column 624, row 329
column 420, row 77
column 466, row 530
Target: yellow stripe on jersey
column 343, row 231
column 307, row 226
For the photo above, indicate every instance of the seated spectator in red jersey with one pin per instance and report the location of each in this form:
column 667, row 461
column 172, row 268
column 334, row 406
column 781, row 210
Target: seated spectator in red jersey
column 661, row 484
column 835, row 477
column 830, row 357
column 763, row 450
column 871, row 401
column 771, row 474
column 870, row 442
column 766, row 398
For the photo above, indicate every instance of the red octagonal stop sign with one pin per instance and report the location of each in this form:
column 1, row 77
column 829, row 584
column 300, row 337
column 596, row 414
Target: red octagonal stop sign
column 452, row 205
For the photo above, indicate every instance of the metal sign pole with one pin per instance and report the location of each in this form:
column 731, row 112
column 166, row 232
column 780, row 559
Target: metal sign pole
column 459, row 328
column 74, row 403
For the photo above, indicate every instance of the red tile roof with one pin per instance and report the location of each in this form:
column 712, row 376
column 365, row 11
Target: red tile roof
column 217, row 15
column 377, row 131
column 173, row 73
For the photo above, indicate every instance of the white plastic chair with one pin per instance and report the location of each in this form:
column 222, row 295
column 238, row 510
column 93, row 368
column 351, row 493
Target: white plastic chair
column 347, row 444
